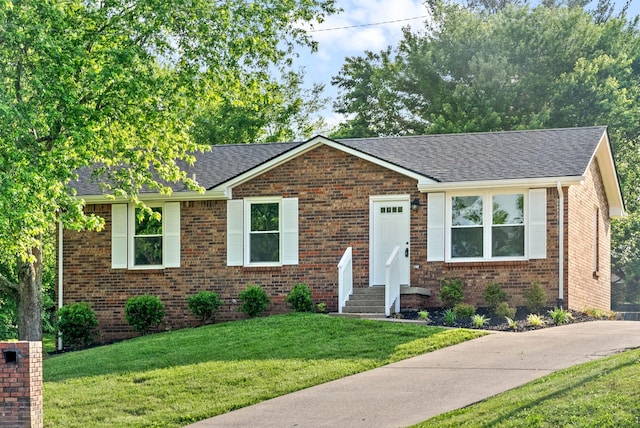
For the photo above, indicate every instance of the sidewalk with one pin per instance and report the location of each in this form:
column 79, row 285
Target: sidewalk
column 410, row 391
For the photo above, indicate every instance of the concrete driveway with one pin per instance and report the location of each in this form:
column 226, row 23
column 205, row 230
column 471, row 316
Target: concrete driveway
column 410, row 391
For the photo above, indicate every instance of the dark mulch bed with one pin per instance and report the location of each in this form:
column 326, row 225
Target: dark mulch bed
column 436, row 317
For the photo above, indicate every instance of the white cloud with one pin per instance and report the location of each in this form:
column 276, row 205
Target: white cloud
column 350, row 34
column 355, row 40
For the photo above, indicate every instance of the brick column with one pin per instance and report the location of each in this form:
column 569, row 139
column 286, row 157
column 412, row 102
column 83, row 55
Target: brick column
column 21, row 384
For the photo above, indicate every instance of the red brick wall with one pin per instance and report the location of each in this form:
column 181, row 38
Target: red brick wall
column 21, row 386
column 586, row 288
column 333, row 189
column 515, row 277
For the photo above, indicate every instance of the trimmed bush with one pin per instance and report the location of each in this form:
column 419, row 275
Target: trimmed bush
column 451, row 293
column 143, row 312
column 504, row 310
column 300, row 298
column 464, row 310
column 204, row 304
column 494, row 295
column 77, row 324
column 535, row 298
column 254, row 300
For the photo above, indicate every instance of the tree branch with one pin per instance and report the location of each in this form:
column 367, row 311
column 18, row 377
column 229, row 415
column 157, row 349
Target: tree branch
column 7, row 287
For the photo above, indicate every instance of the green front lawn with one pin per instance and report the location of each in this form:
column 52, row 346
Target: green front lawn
column 175, row 378
column 602, row 393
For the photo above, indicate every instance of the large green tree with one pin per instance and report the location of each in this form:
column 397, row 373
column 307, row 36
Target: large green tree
column 502, row 65
column 115, row 84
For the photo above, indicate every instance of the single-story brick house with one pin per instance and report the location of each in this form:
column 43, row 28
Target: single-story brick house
column 505, row 207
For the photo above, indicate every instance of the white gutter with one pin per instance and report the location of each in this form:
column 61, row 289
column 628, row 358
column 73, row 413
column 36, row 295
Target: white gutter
column 60, row 282
column 560, row 245
column 492, row 184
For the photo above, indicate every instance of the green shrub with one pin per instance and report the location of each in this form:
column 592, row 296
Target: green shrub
column 494, row 295
column 535, row 298
column 300, row 298
column 449, row 317
column 77, row 324
column 143, row 312
column 424, row 315
column 254, row 300
column 479, row 320
column 513, row 324
column 464, row 310
column 560, row 316
column 535, row 320
column 504, row 310
column 451, row 293
column 321, row 307
column 204, row 304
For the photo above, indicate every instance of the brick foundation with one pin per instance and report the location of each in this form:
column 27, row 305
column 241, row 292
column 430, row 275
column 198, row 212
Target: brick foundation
column 21, row 384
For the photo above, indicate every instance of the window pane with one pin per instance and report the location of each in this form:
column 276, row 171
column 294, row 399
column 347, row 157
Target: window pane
column 466, row 242
column 265, row 247
column 148, row 250
column 466, row 210
column 508, row 209
column 265, row 217
column 507, row 241
column 148, row 224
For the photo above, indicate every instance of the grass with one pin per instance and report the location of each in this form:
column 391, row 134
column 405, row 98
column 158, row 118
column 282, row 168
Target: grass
column 175, row 378
column 601, row 393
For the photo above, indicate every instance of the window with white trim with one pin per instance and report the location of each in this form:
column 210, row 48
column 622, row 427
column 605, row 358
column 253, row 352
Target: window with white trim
column 486, row 226
column 262, row 231
column 263, row 224
column 143, row 240
column 147, row 237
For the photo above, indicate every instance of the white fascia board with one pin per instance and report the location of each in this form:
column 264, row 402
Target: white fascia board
column 150, row 197
column 501, row 184
column 604, row 155
column 308, row 146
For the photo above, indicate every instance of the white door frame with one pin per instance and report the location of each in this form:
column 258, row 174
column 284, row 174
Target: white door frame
column 388, row 198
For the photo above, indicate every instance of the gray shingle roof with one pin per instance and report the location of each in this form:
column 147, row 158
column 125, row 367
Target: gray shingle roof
column 443, row 158
column 489, row 155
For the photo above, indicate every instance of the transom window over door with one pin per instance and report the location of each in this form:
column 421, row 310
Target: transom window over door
column 264, row 234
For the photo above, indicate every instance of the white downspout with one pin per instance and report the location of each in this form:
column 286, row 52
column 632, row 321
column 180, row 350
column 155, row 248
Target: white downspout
column 60, row 282
column 560, row 245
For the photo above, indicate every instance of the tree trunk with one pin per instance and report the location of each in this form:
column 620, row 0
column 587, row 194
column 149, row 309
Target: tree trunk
column 30, row 297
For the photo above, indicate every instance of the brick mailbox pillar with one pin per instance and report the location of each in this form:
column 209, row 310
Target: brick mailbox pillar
column 20, row 384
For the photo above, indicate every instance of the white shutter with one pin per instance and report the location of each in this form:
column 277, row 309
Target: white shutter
column 171, row 241
column 435, row 226
column 235, row 238
column 537, row 224
column 290, row 231
column 119, row 236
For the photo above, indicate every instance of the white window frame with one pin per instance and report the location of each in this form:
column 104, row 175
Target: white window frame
column 247, row 229
column 123, row 236
column 487, row 225
column 239, row 225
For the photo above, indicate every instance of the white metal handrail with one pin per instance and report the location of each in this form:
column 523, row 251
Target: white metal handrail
column 345, row 278
column 392, row 282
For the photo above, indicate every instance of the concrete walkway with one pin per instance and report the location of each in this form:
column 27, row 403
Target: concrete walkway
column 410, row 391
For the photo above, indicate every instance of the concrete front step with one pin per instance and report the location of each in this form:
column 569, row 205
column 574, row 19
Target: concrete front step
column 359, row 315
column 365, row 301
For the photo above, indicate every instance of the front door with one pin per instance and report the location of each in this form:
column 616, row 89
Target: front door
column 390, row 228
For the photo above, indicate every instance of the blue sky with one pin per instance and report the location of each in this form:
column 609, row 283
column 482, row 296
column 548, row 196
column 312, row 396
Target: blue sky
column 335, row 42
